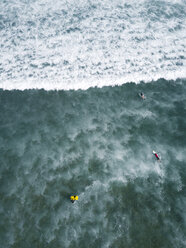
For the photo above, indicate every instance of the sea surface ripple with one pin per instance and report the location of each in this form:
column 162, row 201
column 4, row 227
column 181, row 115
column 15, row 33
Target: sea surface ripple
column 97, row 144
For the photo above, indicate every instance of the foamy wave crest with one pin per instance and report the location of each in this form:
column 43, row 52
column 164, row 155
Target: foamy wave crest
column 90, row 43
column 85, row 84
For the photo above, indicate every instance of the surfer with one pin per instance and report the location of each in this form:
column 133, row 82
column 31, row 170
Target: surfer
column 142, row 95
column 156, row 155
column 73, row 198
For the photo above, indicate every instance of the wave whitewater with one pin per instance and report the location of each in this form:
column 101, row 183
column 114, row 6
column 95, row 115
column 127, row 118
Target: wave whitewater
column 90, row 43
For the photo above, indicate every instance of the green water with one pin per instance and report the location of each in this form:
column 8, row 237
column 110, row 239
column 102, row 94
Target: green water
column 97, row 144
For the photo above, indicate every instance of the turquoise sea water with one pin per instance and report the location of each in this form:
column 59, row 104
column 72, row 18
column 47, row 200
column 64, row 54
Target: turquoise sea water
column 97, row 144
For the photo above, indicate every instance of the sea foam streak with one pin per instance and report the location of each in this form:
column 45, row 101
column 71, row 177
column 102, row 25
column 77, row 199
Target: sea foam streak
column 87, row 44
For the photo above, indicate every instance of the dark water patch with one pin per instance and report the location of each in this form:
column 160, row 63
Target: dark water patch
column 97, row 144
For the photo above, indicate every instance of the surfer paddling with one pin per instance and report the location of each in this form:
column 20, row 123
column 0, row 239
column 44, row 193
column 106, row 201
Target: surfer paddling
column 142, row 95
column 156, row 155
column 73, row 198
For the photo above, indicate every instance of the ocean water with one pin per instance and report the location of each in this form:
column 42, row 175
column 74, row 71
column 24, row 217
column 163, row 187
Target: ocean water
column 79, row 44
column 72, row 122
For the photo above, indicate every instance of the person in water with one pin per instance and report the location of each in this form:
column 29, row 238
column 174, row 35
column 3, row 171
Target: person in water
column 142, row 95
column 73, row 198
column 156, row 155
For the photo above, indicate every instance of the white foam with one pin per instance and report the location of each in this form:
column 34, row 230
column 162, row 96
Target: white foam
column 79, row 46
column 85, row 84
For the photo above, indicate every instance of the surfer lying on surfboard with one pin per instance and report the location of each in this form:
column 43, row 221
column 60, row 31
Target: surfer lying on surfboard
column 156, row 155
column 73, row 198
column 142, row 95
